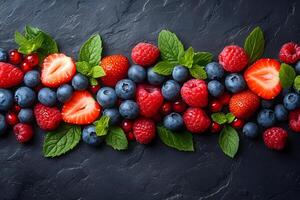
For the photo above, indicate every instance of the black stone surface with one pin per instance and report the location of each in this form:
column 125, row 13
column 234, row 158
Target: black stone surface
column 155, row 171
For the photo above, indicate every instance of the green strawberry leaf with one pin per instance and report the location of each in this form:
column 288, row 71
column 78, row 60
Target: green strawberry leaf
column 219, row 118
column 230, row 117
column 202, row 58
column 180, row 141
column 116, row 138
column 164, row 68
column 62, row 140
column 229, row 141
column 102, row 126
column 297, row 83
column 287, row 75
column 83, row 67
column 91, row 50
column 255, row 44
column 187, row 58
column 97, row 72
column 198, row 72
column 93, row 81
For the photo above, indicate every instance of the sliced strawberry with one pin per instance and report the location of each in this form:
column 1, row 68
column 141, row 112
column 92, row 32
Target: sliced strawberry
column 263, row 78
column 81, row 109
column 57, row 69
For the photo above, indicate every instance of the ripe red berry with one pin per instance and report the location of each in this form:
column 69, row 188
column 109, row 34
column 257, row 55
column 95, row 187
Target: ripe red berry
column 32, row 59
column 94, row 88
column 23, row 132
column 237, row 123
column 233, row 58
column 25, row 66
column 145, row 54
column 216, row 106
column 289, row 53
column 166, row 108
column 179, row 106
column 15, row 57
column 275, row 138
column 130, row 136
column 16, row 108
column 215, row 127
column 127, row 125
column 144, row 130
column 225, row 98
column 12, row 118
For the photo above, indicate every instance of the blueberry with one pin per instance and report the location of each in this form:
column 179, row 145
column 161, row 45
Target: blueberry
column 170, row 90
column 106, row 97
column 32, row 78
column 80, row 82
column 291, row 101
column 90, row 137
column 250, row 130
column 125, row 89
column 214, row 70
column 173, row 121
column 64, row 93
column 235, row 82
column 25, row 97
column 113, row 114
column 281, row 112
column 137, row 73
column 3, row 124
column 266, row 118
column 180, row 73
column 26, row 115
column 6, row 100
column 129, row 109
column 297, row 67
column 215, row 88
column 267, row 103
column 47, row 97
column 154, row 78
column 3, row 55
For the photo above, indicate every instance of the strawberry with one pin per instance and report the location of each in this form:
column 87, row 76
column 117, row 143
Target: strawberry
column 47, row 118
column 115, row 67
column 263, row 78
column 275, row 138
column 10, row 75
column 244, row 104
column 144, row 130
column 81, row 109
column 57, row 69
column 294, row 120
column 149, row 99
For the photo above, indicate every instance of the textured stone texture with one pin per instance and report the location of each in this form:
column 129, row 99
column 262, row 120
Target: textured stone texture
column 155, row 171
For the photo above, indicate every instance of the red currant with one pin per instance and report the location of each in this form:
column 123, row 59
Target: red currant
column 16, row 108
column 25, row 66
column 127, row 125
column 179, row 106
column 166, row 108
column 224, row 98
column 94, row 88
column 216, row 106
column 237, row 123
column 12, row 118
column 15, row 57
column 215, row 127
column 32, row 59
column 130, row 136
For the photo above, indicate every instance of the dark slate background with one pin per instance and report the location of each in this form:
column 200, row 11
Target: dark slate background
column 155, row 171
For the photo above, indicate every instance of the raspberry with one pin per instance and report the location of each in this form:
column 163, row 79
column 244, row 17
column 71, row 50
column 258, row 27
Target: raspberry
column 23, row 132
column 294, row 120
column 275, row 138
column 289, row 53
column 233, row 58
column 145, row 54
column 10, row 75
column 196, row 120
column 144, row 130
column 194, row 92
column 47, row 118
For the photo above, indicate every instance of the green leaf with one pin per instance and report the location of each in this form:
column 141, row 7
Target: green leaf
column 97, row 71
column 37, row 42
column 164, row 68
column 102, row 126
column 93, row 81
column 187, row 58
column 202, row 58
column 21, row 40
column 116, row 138
column 83, row 67
column 287, row 75
column 91, row 50
column 198, row 72
column 170, row 46
column 180, row 141
column 62, row 140
column 31, row 32
column 229, row 141
column 297, row 83
column 255, row 44
column 219, row 118
column 230, row 117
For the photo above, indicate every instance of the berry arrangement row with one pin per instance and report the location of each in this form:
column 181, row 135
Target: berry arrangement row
column 169, row 91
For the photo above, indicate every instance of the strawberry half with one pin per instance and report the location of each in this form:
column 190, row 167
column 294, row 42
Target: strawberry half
column 263, row 78
column 57, row 69
column 81, row 109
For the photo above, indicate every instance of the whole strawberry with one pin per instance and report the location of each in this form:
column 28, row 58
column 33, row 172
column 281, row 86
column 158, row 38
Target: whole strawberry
column 144, row 130
column 294, row 120
column 275, row 138
column 115, row 67
column 194, row 92
column 23, row 132
column 10, row 75
column 233, row 58
column 290, row 53
column 149, row 100
column 145, row 54
column 196, row 120
column 47, row 118
column 244, row 104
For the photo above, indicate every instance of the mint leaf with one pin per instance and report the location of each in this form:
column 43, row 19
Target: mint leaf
column 97, row 72
column 21, row 40
column 202, row 58
column 27, row 46
column 180, row 141
column 62, row 140
column 170, row 46
column 187, row 58
column 229, row 141
column 91, row 50
column 83, row 67
column 255, row 44
column 164, row 68
column 297, row 83
column 116, row 138
column 287, row 75
column 198, row 72
column 93, row 81
column 230, row 117
column 102, row 126
column 219, row 118
column 31, row 32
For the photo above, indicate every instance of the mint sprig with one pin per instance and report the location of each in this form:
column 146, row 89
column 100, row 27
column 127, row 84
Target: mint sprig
column 102, row 126
column 287, row 75
column 255, row 44
column 116, row 138
column 222, row 118
column 229, row 141
column 297, row 83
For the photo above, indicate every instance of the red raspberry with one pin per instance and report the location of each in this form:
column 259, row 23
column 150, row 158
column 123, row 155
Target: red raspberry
column 294, row 120
column 215, row 127
column 10, row 75
column 127, row 125
column 145, row 54
column 196, row 120
column 194, row 92
column 23, row 132
column 237, row 123
column 47, row 118
column 216, row 106
column 144, row 130
column 275, row 138
column 12, row 118
column 233, row 58
column 15, row 57
column 289, row 53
